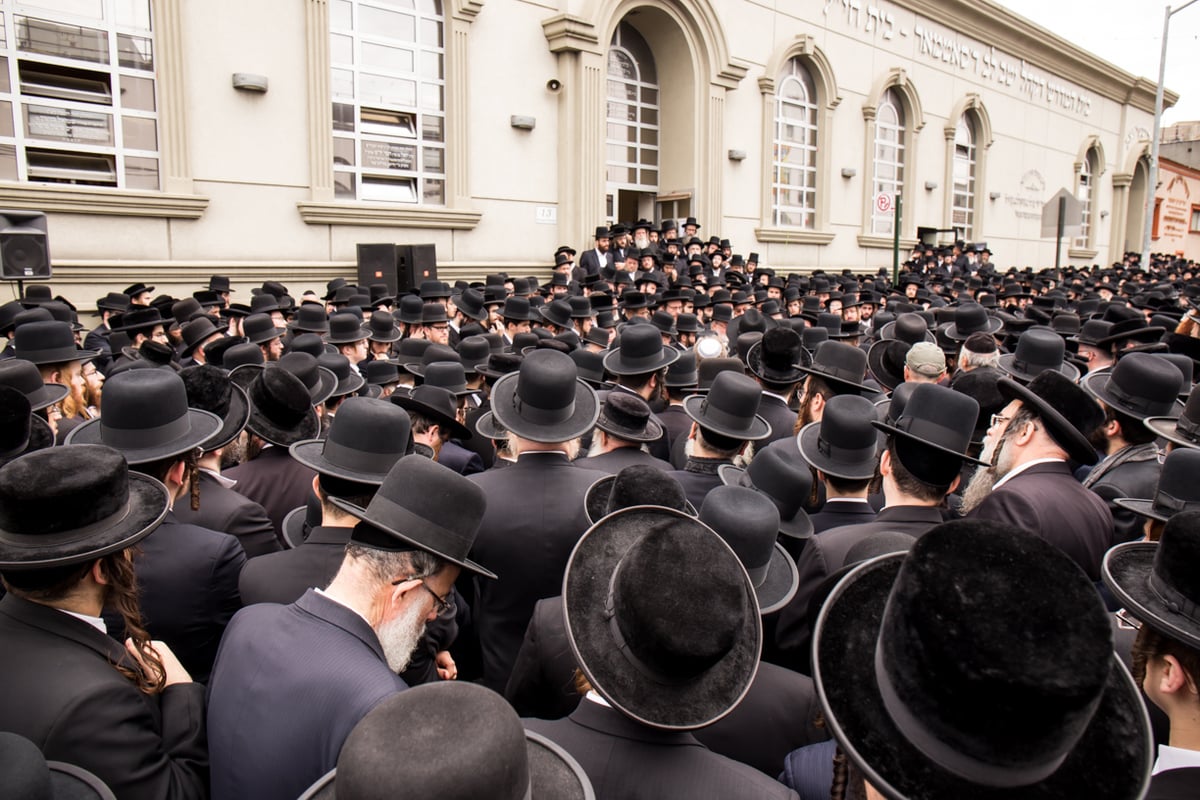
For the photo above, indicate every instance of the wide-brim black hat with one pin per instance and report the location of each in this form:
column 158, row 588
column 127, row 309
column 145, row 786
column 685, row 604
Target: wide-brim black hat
column 1020, row 371
column 595, row 500
column 821, row 457
column 1128, row 572
column 697, row 407
column 410, row 403
column 1179, row 430
column 147, row 506
column 554, row 774
column 882, row 361
column 1100, row 385
column 234, row 421
column 754, row 362
column 1111, row 759
column 293, row 527
column 799, row 526
column 1143, row 507
column 711, row 693
column 146, row 446
column 487, row 426
column 622, row 364
column 511, row 413
column 1059, row 427
column 274, row 431
column 823, row 372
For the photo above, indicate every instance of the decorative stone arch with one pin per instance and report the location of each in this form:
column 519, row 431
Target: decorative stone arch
column 971, row 104
column 914, row 119
column 1129, row 200
column 805, row 49
column 580, row 42
column 1087, row 249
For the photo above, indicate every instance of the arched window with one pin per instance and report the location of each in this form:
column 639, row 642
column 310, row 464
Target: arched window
column 965, row 165
column 1085, row 192
column 632, row 113
column 389, row 100
column 888, row 167
column 794, row 162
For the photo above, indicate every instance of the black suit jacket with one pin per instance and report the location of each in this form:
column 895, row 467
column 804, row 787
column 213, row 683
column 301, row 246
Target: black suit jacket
column 825, row 554
column 624, row 759
column 478, row 443
column 677, row 423
column 289, row 685
column 97, row 339
column 1130, row 479
column 781, row 418
column 188, row 578
column 1175, row 784
column 614, row 461
column 696, row 485
column 1046, row 500
column 225, row 510
column 840, row 513
column 775, row 717
column 59, row 688
column 535, row 515
column 459, row 458
column 284, row 577
column 589, row 262
column 275, row 481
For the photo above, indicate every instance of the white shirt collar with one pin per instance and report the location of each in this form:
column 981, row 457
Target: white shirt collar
column 862, row 500
column 778, row 397
column 228, row 483
column 1175, row 758
column 95, row 622
column 1014, row 473
column 595, row 697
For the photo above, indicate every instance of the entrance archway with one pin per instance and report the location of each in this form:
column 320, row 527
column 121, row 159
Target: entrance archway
column 1135, row 219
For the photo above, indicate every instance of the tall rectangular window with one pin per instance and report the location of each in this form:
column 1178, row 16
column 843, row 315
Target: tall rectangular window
column 794, row 167
column 889, row 158
column 1085, row 193
column 963, row 208
column 389, row 100
column 77, row 93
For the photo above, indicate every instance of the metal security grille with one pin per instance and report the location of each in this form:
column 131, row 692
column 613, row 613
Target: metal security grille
column 77, row 93
column 794, row 167
column 389, row 100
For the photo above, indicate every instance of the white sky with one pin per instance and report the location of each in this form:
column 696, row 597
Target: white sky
column 1128, row 33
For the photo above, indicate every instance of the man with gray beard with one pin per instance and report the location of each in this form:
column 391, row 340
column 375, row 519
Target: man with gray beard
column 1029, row 482
column 290, row 682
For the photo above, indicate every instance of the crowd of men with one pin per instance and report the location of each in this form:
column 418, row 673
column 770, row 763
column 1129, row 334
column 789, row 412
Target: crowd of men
column 670, row 524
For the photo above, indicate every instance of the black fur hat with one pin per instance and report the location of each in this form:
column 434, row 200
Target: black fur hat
column 209, row 389
column 775, row 356
column 635, row 486
column 952, row 672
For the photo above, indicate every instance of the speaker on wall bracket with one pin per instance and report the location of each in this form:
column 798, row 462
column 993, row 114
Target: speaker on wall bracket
column 24, row 246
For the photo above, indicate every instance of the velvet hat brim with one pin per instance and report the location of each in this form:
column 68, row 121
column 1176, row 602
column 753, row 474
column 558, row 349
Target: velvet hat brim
column 582, row 419
column 877, row 362
column 311, row 453
column 1126, row 572
column 1096, row 385
column 892, row 430
column 799, row 526
column 780, row 583
column 1141, row 507
column 1007, row 363
column 694, row 704
column 148, row 505
column 1166, row 428
column 814, row 368
column 293, row 527
column 807, row 441
column 48, row 395
column 1107, row 761
column 234, row 422
column 993, row 324
column 1068, row 437
column 202, row 427
column 553, row 775
column 488, row 428
column 693, row 406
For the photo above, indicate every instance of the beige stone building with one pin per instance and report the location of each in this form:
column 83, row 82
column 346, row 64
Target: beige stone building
column 171, row 139
column 1176, row 226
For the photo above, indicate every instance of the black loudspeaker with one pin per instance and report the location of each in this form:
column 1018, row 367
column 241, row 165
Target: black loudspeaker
column 24, row 246
column 415, row 263
column 377, row 264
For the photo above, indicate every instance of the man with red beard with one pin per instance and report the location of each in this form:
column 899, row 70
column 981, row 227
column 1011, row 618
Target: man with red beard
column 50, row 345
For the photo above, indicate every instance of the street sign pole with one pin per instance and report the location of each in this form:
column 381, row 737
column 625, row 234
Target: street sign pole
column 1062, row 213
column 896, row 242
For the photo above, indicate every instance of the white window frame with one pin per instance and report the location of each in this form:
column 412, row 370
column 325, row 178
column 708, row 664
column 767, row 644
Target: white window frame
column 795, row 74
column 1085, row 193
column 963, row 191
column 645, row 164
column 889, row 151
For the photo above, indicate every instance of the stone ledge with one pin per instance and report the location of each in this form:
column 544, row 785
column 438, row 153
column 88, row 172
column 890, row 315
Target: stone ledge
column 315, row 213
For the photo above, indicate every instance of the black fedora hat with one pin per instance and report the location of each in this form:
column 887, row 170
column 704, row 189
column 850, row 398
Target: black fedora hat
column 640, row 351
column 139, row 319
column 29, row 776
column 346, row 327
column 381, row 372
column 1140, row 384
column 69, row 505
column 518, row 308
column 398, row 750
column 349, row 380
column 1038, row 349
column 749, row 523
column 885, row 360
column 1177, row 490
column 677, row 657
column 500, row 364
column 209, row 389
column 365, row 441
column 113, row 301
column 627, row 416
column 638, row 485
column 908, row 327
column 435, row 404
column 940, row 420
column 544, row 400
column 972, row 318
column 470, row 303
column 147, row 418
column 281, row 408
column 21, row 431
column 432, row 354
column 1183, row 430
column 1157, row 582
column 197, row 332
column 422, row 505
column 951, row 671
column 260, row 328
column 48, row 342
column 318, row 380
column 730, row 408
column 841, row 365
column 310, row 318
column 557, row 312
column 1067, row 411
column 782, row 474
column 382, row 325
column 409, row 310
column 23, row 376
column 775, row 356
column 448, row 375
column 843, row 443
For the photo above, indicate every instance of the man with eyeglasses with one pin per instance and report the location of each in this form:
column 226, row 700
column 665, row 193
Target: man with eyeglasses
column 1028, row 482
column 292, row 681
